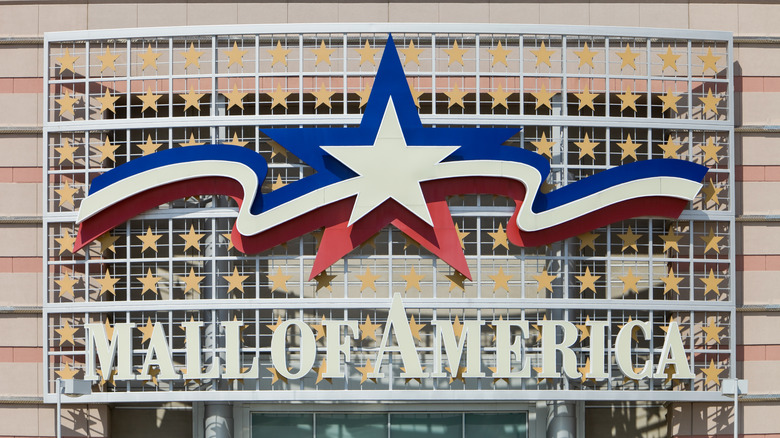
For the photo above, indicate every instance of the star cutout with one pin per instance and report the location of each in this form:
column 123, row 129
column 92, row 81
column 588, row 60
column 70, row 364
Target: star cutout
column 544, row 280
column 585, row 370
column 278, row 183
column 461, row 236
column 712, row 241
column 543, row 55
column 588, row 240
column 236, row 142
column 149, row 240
column 146, row 330
column 709, row 61
column 711, row 192
column 586, row 99
column 367, row 54
column 455, row 54
column 278, row 54
column 192, row 239
column 192, row 282
column 627, row 57
column 321, row 370
column 323, row 280
column 544, row 146
column 497, row 379
column 499, row 55
column 273, row 327
column 671, row 240
column 279, row 97
column 363, row 94
column 586, row 57
column 416, row 95
column 323, row 54
column 235, row 56
column 584, row 329
column 415, row 327
column 150, row 58
column 669, row 59
column 457, row 375
column 629, row 240
column 66, row 284
column 66, row 242
column 711, row 284
column 107, row 150
column 543, row 97
column 367, row 280
column 501, row 280
column 633, row 330
column 587, row 281
column 275, row 376
column 66, row 62
column 669, row 100
column 365, row 371
column 538, row 370
column 107, row 102
column 539, row 328
column 457, row 327
column 412, row 280
column 670, row 148
column 408, row 241
column 279, row 281
column 409, row 379
column 149, row 100
column 411, row 54
column 66, row 193
column 66, row 103
column 66, row 333
column 671, row 282
column 149, row 147
column 710, row 151
column 323, row 96
column 499, row 237
column 455, row 96
column 229, row 238
column 456, row 280
column 710, row 102
column 499, row 96
column 191, row 99
column 192, row 56
column 149, row 281
column 587, row 147
column 67, row 373
column 66, row 151
column 235, row 97
column 368, row 330
column 712, row 372
column 628, row 99
column 107, row 60
column 107, row 283
column 320, row 329
column 235, row 281
column 712, row 331
column 630, row 282
column 628, row 148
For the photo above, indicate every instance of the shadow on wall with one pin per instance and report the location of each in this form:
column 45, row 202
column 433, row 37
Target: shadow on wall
column 151, row 421
column 701, row 419
column 84, row 421
column 626, row 420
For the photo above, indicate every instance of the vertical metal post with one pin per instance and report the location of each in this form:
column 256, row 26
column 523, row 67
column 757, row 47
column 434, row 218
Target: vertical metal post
column 59, row 407
column 218, row 420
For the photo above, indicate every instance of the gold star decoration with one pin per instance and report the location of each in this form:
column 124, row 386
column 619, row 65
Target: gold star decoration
column 235, row 56
column 411, row 54
column 712, row 241
column 323, row 280
column 275, row 376
column 712, row 372
column 671, row 282
column 499, row 237
column 150, row 58
column 711, row 192
column 149, row 99
column 543, row 97
column 670, row 148
column 629, row 240
column 66, row 333
column 149, row 147
column 543, row 55
column 367, row 280
column 628, row 149
column 628, row 99
column 149, row 281
column 66, row 284
column 457, row 327
column 410, row 379
column 149, row 240
column 107, row 283
column 627, row 57
column 416, row 95
column 586, row 57
column 630, row 282
column 273, row 327
column 192, row 56
column 501, row 280
column 111, row 376
column 538, row 370
column 499, row 96
column 368, row 329
column 712, row 331
column 669, row 100
column 278, row 54
column 66, row 242
column 671, row 240
column 192, row 282
column 412, row 280
column 455, row 96
column 544, row 146
column 320, row 329
column 586, row 99
column 415, row 327
column 633, row 330
column 539, row 328
column 669, row 59
column 192, row 239
column 711, row 284
column 154, row 371
column 584, row 329
column 456, row 280
column 461, row 236
column 499, row 55
column 229, row 238
column 323, row 96
column 322, row 54
column 67, row 373
column 365, row 370
column 588, row 240
column 66, row 62
column 367, row 54
column 587, row 281
column 66, row 193
column 709, row 61
column 66, row 103
column 191, row 99
column 278, row 183
column 497, row 379
column 710, row 102
column 455, row 54
column 321, row 370
column 279, row 97
column 107, row 102
column 585, row 370
column 364, row 94
column 236, row 142
column 710, row 150
column 107, row 150
column 66, row 151
column 277, row 149
column 587, row 147
column 544, row 280
column 408, row 241
column 279, row 280
column 107, row 60
column 235, row 281
column 457, row 375
column 235, row 97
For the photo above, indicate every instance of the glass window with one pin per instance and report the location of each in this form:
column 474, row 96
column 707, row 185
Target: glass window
column 283, row 425
column 426, row 425
column 512, row 425
column 352, row 426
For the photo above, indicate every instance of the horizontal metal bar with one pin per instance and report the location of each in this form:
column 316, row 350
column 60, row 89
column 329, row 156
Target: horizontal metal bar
column 759, row 308
column 756, row 40
column 758, row 398
column 21, row 41
column 758, row 218
column 20, row 130
column 30, row 310
column 32, row 220
column 21, row 400
column 747, row 129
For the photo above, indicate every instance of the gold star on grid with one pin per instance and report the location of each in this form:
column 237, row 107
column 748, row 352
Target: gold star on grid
column 456, row 280
column 499, row 54
column 710, row 150
column 235, row 281
column 412, row 280
column 585, row 370
column 628, row 148
column 629, row 240
column 499, row 237
column 149, row 147
column 368, row 329
column 543, row 55
column 712, row 241
column 584, row 329
column 235, row 97
column 416, row 95
column 149, row 99
column 457, row 327
column 321, row 370
column 588, row 240
column 543, row 97
column 544, row 146
column 149, row 240
column 67, row 372
column 322, row 54
column 278, row 183
column 538, row 370
column 192, row 282
column 66, row 284
column 323, row 96
column 671, row 240
column 323, row 280
column 500, row 279
column 192, row 239
column 107, row 283
column 192, row 56
column 455, row 96
column 671, row 282
column 235, row 56
column 586, row 56
column 365, row 370
column 367, row 280
column 710, row 102
column 66, row 151
column 461, row 236
column 669, row 59
column 456, row 375
column 150, row 58
column 627, row 57
column 711, row 192
column 712, row 331
column 587, row 281
column 191, row 99
column 66, row 62
column 363, row 94
column 66, row 103
column 279, row 97
column 66, row 193
column 408, row 241
column 455, row 54
column 499, row 96
column 411, row 53
column 107, row 102
column 415, row 327
column 538, row 328
column 149, row 281
column 628, row 99
column 669, row 100
column 278, row 54
column 367, row 54
column 633, row 330
column 279, row 280
column 273, row 327
column 587, row 147
column 277, row 149
column 670, row 148
column 275, row 376
column 544, row 280
column 586, row 98
column 66, row 333
column 236, row 142
column 229, row 238
column 712, row 372
column 711, row 284
column 66, row 242
column 107, row 60
column 107, row 150
column 709, row 61
column 410, row 379
column 630, row 282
